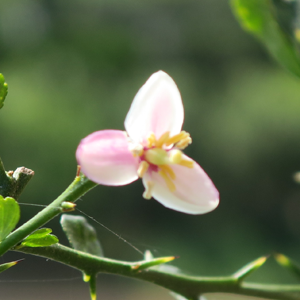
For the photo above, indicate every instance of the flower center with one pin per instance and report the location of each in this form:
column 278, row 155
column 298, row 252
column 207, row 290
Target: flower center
column 159, row 155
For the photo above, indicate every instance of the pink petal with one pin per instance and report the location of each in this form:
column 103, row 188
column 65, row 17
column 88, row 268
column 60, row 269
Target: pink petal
column 157, row 108
column 195, row 192
column 104, row 158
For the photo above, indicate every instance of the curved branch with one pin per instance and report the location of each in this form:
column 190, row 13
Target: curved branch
column 190, row 287
column 76, row 189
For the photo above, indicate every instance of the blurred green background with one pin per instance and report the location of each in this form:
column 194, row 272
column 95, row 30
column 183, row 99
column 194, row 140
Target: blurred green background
column 73, row 67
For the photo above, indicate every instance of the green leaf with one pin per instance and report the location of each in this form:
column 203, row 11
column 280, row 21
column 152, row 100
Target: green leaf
column 40, row 238
column 3, row 90
column 6, row 266
column 9, row 216
column 40, row 233
column 259, row 17
column 81, row 235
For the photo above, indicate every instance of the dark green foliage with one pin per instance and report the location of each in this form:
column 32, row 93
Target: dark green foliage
column 274, row 26
column 82, row 236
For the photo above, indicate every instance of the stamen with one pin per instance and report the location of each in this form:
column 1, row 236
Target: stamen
column 163, row 139
column 151, row 140
column 168, row 170
column 184, row 143
column 148, row 190
column 169, row 182
column 176, row 138
column 143, row 168
column 175, row 156
column 187, row 163
column 136, row 150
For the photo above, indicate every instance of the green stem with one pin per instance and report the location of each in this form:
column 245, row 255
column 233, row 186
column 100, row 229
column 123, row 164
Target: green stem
column 76, row 189
column 5, row 181
column 188, row 286
column 13, row 185
column 93, row 283
column 21, row 178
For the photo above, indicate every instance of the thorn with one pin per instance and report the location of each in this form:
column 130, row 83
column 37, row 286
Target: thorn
column 249, row 268
column 150, row 263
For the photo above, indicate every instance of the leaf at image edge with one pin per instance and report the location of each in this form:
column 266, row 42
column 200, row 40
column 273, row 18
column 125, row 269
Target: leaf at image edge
column 9, row 216
column 3, row 90
column 256, row 17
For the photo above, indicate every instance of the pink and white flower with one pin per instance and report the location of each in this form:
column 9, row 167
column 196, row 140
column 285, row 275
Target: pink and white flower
column 151, row 149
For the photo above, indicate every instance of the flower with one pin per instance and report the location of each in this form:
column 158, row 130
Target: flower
column 151, row 149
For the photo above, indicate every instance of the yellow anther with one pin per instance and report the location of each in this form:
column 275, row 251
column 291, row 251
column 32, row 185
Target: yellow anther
column 151, row 140
column 163, row 139
column 176, row 138
column 148, row 190
column 170, row 184
column 187, row 163
column 175, row 156
column 143, row 168
column 184, row 143
column 168, row 170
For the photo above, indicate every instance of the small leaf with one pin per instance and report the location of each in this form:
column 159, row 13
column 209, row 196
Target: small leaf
column 40, row 238
column 81, row 235
column 288, row 263
column 6, row 266
column 3, row 90
column 250, row 268
column 150, row 263
column 40, row 233
column 259, row 18
column 9, row 216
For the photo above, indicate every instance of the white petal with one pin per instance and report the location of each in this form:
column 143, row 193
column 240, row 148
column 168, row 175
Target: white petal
column 157, row 108
column 104, row 157
column 195, row 192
